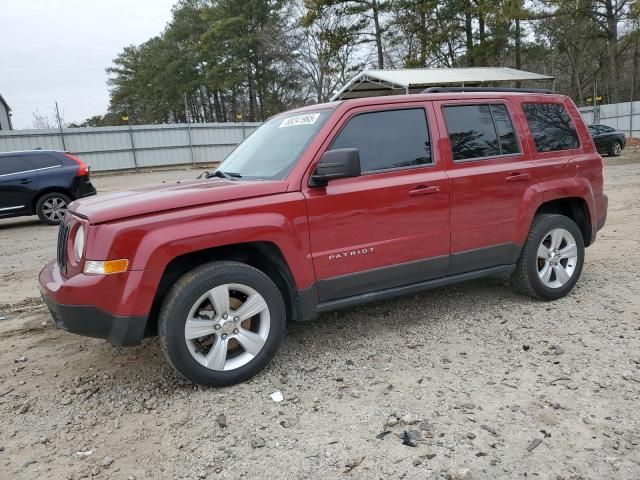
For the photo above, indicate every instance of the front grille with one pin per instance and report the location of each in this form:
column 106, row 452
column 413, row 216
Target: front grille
column 63, row 237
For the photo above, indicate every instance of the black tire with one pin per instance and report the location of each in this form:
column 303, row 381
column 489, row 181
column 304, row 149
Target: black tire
column 526, row 278
column 186, row 292
column 616, row 149
column 44, row 212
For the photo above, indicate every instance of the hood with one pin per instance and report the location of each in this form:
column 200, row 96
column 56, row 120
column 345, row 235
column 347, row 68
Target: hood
column 170, row 196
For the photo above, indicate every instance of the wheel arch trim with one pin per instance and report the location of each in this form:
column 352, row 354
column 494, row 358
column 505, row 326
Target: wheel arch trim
column 571, row 190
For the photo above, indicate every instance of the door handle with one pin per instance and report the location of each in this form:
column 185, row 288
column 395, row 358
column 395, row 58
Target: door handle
column 518, row 177
column 24, row 181
column 422, row 190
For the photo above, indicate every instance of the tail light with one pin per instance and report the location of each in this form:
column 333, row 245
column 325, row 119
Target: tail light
column 82, row 167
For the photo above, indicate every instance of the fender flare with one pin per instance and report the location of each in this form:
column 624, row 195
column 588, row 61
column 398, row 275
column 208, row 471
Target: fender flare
column 539, row 194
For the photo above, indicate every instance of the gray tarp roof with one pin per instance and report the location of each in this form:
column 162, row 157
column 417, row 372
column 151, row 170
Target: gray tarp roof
column 373, row 83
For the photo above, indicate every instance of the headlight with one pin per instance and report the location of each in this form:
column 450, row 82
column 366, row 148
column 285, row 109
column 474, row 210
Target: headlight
column 78, row 243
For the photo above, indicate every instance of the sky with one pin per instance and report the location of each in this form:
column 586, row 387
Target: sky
column 58, row 50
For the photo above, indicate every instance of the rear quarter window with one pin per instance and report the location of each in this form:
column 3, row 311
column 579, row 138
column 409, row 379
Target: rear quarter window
column 551, row 127
column 44, row 161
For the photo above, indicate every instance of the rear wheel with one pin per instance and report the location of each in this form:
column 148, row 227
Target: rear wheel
column 552, row 258
column 616, row 149
column 52, row 207
column 222, row 323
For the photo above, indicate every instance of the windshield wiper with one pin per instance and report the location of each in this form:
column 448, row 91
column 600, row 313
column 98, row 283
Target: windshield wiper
column 225, row 175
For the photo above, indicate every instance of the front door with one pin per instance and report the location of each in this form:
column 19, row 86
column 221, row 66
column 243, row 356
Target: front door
column 390, row 226
column 17, row 184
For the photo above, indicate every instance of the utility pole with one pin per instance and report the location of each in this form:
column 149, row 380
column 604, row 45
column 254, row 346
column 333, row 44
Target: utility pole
column 64, row 146
column 634, row 78
column 186, row 119
column 133, row 145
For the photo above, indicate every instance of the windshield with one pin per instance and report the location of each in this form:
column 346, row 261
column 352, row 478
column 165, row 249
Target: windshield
column 273, row 149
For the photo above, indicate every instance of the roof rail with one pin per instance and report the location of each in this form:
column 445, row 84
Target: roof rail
column 485, row 89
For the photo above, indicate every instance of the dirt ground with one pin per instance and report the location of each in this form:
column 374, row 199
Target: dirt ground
column 486, row 383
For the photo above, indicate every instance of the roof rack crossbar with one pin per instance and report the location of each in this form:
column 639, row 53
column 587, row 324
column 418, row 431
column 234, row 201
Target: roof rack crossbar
column 485, row 89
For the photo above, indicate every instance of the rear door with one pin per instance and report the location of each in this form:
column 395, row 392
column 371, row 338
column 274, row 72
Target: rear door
column 18, row 182
column 489, row 172
column 390, row 226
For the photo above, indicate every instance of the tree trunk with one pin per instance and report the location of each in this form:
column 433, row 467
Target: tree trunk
column 468, row 30
column 517, row 44
column 482, row 56
column 217, row 106
column 260, row 86
column 252, row 112
column 195, row 110
column 423, row 38
column 320, row 86
column 378, row 33
column 202, row 101
column 223, row 104
column 208, row 95
column 612, row 43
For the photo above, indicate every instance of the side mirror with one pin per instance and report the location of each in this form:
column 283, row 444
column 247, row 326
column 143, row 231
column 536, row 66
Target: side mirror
column 340, row 163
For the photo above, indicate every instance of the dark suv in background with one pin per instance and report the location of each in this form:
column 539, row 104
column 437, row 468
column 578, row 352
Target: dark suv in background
column 41, row 182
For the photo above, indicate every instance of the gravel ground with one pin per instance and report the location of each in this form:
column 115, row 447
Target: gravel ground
column 472, row 381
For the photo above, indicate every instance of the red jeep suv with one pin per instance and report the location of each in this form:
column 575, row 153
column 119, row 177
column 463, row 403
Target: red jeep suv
column 330, row 206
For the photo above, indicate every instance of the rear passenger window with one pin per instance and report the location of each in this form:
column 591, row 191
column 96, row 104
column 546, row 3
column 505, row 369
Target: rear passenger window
column 44, row 161
column 13, row 164
column 551, row 126
column 390, row 139
column 478, row 131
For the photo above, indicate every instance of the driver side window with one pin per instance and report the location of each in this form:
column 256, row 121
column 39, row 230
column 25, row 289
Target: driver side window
column 387, row 140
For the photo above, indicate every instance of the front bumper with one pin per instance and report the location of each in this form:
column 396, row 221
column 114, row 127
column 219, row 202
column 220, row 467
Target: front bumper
column 93, row 322
column 80, row 304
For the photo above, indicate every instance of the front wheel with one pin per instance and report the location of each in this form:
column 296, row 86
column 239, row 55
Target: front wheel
column 222, row 323
column 552, row 258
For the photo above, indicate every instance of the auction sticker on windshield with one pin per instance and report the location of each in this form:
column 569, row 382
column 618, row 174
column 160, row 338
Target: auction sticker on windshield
column 307, row 119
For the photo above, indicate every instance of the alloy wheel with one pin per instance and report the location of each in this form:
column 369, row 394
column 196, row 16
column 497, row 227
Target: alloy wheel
column 557, row 258
column 54, row 209
column 227, row 327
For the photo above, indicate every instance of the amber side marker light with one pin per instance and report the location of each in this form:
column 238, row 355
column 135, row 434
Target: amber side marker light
column 106, row 267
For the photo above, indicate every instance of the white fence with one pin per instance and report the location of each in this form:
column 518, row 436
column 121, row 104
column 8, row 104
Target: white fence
column 144, row 146
column 140, row 146
column 621, row 116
